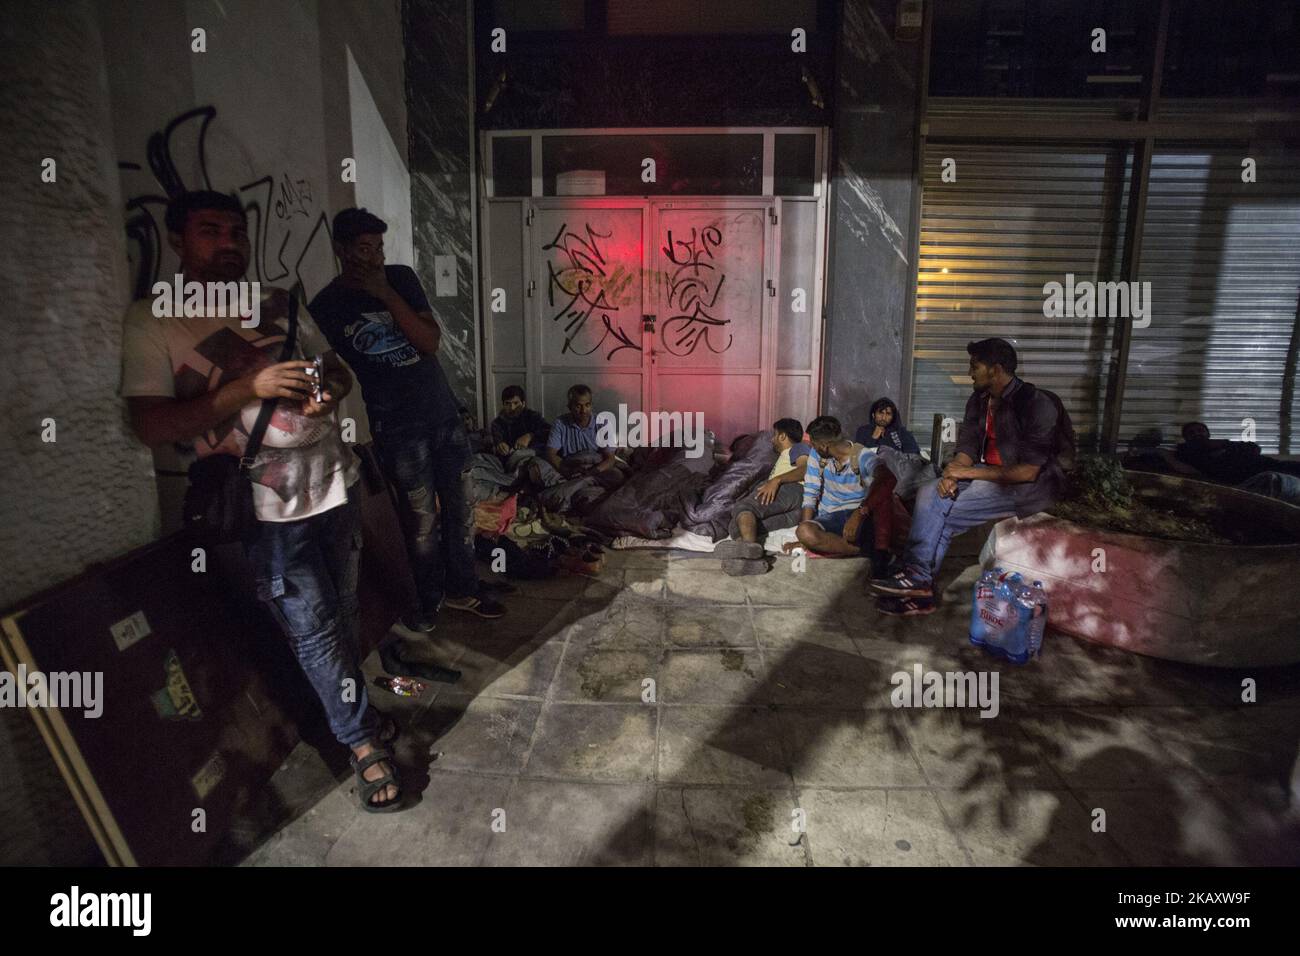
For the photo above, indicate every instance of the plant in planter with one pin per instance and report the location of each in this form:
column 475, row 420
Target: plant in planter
column 1100, row 494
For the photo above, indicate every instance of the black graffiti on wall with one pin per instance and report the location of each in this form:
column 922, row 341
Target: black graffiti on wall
column 693, row 289
column 293, row 207
column 581, row 277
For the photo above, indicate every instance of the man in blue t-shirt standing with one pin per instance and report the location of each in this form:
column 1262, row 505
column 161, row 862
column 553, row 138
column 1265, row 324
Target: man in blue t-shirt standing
column 379, row 320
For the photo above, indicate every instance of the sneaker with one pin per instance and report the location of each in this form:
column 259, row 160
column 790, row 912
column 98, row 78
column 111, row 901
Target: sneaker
column 422, row 621
column 906, row 607
column 732, row 549
column 483, row 607
column 902, row 585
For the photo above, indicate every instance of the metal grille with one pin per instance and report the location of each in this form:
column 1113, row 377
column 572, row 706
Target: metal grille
column 1019, row 215
column 1223, row 259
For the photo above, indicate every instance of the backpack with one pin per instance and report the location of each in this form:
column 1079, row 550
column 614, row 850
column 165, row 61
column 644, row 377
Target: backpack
column 1065, row 444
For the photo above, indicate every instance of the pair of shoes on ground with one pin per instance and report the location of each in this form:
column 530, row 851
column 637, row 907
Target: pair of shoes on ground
column 483, row 606
column 741, row 558
column 902, row 595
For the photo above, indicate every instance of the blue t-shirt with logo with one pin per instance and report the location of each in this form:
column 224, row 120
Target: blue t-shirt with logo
column 401, row 386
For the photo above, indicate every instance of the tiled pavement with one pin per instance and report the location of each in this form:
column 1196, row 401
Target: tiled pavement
column 771, row 706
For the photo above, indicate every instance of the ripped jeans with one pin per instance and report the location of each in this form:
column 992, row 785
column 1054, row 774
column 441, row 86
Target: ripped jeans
column 306, row 573
column 425, row 466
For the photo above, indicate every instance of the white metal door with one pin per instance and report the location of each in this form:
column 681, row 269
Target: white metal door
column 589, row 294
column 710, row 264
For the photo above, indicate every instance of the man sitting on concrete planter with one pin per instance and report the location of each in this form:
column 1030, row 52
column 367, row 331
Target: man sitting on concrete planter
column 1010, row 447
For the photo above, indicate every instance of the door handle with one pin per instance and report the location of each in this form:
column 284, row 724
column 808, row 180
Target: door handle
column 771, row 287
column 648, row 323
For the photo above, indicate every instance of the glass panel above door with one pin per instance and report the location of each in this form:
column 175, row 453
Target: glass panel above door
column 512, row 166
column 647, row 164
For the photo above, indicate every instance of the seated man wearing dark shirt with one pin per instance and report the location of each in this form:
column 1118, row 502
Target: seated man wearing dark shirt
column 1006, row 464
column 518, row 428
column 379, row 320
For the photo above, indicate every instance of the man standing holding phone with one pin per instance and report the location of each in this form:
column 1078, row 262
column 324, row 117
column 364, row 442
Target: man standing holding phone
column 379, row 320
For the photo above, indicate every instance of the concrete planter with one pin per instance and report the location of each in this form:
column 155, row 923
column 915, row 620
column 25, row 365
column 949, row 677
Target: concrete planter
column 1219, row 605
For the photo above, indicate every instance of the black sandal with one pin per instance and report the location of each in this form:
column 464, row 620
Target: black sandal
column 368, row 788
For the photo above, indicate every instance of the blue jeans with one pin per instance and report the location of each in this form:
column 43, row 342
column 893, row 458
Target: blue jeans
column 306, row 572
column 423, row 464
column 935, row 520
column 1274, row 484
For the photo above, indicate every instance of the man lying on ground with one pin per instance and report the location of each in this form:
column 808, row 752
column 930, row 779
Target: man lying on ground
column 834, row 487
column 1007, row 463
column 770, row 504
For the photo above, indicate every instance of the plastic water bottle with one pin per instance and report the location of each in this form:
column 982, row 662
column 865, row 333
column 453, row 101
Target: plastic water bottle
column 1038, row 623
column 1001, row 615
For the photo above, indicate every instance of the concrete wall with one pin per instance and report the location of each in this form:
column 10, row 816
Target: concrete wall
column 284, row 92
column 88, row 495
column 871, row 229
column 442, row 185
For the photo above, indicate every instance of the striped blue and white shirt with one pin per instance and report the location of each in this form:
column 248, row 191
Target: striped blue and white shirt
column 829, row 486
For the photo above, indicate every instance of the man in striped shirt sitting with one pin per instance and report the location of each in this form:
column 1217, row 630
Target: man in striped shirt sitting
column 834, row 489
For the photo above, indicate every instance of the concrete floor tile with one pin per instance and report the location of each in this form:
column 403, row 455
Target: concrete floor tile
column 878, row 828
column 525, row 671
column 728, row 676
column 692, row 626
column 594, row 674
column 726, row 827
column 782, row 627
column 1102, row 748
column 1027, row 827
column 687, row 583
column 787, row 587
column 595, row 742
column 721, row 745
column 1246, row 743
column 622, row 626
column 1167, row 828
column 308, row 840
column 812, row 675
column 491, row 734
column 549, row 823
column 848, row 748
column 959, row 749
column 451, row 824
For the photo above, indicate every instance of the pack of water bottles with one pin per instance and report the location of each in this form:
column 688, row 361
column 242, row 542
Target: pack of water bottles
column 1008, row 616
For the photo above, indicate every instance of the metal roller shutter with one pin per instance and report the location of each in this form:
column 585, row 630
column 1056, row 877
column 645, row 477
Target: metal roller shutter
column 1223, row 259
column 1019, row 215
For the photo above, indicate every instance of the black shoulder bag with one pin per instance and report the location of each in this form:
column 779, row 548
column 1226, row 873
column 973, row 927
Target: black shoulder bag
column 219, row 500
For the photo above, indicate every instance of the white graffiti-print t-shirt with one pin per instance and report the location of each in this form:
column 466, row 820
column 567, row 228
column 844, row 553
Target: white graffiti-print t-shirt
column 304, row 467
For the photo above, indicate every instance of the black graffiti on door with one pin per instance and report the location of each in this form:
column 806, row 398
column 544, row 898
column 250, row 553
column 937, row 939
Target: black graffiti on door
column 693, row 292
column 582, row 278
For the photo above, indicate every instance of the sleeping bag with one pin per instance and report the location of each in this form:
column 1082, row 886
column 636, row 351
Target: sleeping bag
column 650, row 503
column 752, row 460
